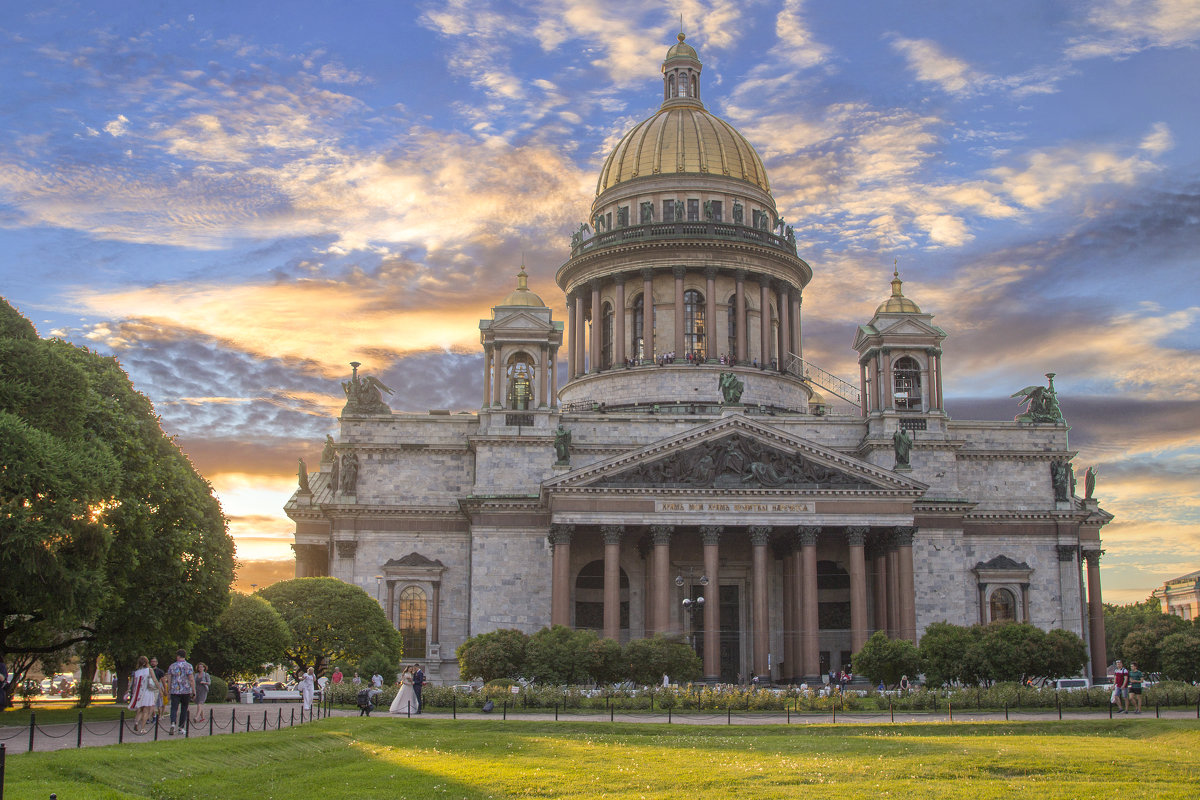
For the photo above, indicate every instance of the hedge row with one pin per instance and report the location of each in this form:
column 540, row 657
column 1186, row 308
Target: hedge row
column 737, row 698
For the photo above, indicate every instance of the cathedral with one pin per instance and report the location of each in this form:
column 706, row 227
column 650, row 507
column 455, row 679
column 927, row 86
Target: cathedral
column 691, row 473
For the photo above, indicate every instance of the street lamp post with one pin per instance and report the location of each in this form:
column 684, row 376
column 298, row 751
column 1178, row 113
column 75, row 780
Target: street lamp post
column 693, row 606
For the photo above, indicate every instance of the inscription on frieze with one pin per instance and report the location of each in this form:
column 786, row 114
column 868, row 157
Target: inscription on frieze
column 743, row 506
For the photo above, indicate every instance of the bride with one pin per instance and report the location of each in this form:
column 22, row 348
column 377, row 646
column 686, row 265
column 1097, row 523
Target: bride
column 406, row 698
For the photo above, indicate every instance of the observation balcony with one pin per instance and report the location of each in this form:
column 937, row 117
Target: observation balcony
column 666, row 231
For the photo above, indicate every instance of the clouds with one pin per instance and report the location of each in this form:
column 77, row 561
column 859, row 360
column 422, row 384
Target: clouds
column 1123, row 27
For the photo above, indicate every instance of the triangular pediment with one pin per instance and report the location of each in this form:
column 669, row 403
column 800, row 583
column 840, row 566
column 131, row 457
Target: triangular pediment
column 736, row 453
column 905, row 326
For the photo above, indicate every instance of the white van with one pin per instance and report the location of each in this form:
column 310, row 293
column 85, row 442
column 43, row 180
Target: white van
column 1072, row 684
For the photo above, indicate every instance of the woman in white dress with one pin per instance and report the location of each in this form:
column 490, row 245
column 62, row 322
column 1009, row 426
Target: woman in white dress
column 307, row 684
column 142, row 695
column 406, row 698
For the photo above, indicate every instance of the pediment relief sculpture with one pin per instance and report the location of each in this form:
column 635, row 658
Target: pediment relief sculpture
column 734, row 462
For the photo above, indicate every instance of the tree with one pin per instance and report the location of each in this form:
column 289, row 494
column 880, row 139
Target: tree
column 111, row 539
column 1065, row 654
column 1181, row 656
column 650, row 659
column 1011, row 652
column 886, row 660
column 1120, row 621
column 331, row 619
column 559, row 655
column 943, row 650
column 1142, row 644
column 247, row 635
column 497, row 654
column 609, row 661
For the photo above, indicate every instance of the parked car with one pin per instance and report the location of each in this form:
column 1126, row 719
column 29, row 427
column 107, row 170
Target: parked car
column 1073, row 684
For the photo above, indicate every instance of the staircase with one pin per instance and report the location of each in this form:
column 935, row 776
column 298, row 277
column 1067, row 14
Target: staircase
column 808, row 371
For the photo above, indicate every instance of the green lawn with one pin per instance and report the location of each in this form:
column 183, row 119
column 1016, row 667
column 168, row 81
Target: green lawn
column 348, row 757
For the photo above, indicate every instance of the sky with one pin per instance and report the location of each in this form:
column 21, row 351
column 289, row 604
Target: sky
column 238, row 199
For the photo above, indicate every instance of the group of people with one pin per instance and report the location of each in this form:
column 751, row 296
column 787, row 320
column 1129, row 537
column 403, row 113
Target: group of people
column 1127, row 687
column 150, row 687
column 408, row 699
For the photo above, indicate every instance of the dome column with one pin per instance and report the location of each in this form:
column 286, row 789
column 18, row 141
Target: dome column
column 785, row 330
column 543, row 377
column 487, row 376
column 648, row 316
column 619, row 322
column 597, row 327
column 579, row 340
column 553, row 377
column 710, row 314
column 498, row 379
column 739, row 313
column 570, row 336
column 797, row 299
column 764, row 322
column 679, row 346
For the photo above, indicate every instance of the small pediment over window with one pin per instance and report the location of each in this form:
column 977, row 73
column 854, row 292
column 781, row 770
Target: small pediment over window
column 1002, row 563
column 415, row 560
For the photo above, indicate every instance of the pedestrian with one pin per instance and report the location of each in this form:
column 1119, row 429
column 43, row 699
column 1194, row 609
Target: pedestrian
column 357, row 681
column 181, row 680
column 903, row 684
column 203, row 681
column 418, row 684
column 1120, row 695
column 143, row 694
column 158, row 676
column 336, row 677
column 4, row 686
column 307, row 686
column 1135, row 686
column 406, row 698
column 377, row 681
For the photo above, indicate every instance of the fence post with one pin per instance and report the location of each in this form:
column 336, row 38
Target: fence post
column 1006, row 711
column 556, row 711
column 1156, row 711
column 79, row 731
column 279, row 720
column 454, row 705
column 233, row 719
column 32, row 717
column 264, row 719
column 504, row 711
column 891, row 710
column 210, row 723
column 292, row 723
column 120, row 731
column 611, row 713
column 3, row 751
column 1058, row 702
column 729, row 714
column 950, row 709
column 156, row 727
column 668, row 715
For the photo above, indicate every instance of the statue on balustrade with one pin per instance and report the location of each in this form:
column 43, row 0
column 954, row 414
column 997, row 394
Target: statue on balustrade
column 562, row 446
column 731, row 388
column 364, row 395
column 1041, row 403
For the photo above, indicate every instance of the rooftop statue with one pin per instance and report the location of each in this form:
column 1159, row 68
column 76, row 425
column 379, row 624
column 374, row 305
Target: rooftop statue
column 902, row 442
column 303, row 472
column 1089, row 483
column 731, row 388
column 363, row 395
column 562, row 445
column 1041, row 403
column 329, row 453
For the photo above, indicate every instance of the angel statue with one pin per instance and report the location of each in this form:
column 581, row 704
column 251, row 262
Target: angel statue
column 731, row 388
column 363, row 395
column 1041, row 403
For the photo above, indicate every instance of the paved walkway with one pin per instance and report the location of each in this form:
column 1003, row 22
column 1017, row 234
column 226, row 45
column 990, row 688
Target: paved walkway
column 233, row 719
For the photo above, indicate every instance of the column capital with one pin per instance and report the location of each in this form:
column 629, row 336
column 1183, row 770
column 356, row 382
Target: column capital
column 739, row 275
column 807, row 534
column 1068, row 552
column 647, row 274
column 1092, row 556
column 612, row 533
column 711, row 534
column 596, row 284
column 560, row 534
column 661, row 534
column 711, row 273
column 760, row 535
column 902, row 535
column 857, row 536
column 678, row 271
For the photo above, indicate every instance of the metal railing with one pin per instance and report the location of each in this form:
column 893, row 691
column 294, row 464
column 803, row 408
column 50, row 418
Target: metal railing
column 655, row 231
column 808, row 371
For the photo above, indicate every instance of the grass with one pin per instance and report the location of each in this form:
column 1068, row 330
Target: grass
column 349, row 757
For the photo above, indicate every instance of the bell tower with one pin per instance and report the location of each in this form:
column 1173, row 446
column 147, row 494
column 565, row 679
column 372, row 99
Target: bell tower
column 520, row 346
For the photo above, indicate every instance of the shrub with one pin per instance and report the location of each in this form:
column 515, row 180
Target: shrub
column 218, row 690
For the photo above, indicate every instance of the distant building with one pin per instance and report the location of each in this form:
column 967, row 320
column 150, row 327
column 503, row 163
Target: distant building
column 1181, row 596
column 688, row 455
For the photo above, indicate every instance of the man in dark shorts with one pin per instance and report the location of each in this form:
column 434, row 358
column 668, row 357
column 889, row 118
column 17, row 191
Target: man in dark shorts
column 1135, row 686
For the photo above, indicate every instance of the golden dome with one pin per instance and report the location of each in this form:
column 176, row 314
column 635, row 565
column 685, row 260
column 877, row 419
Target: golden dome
column 521, row 296
column 897, row 303
column 682, row 50
column 683, row 139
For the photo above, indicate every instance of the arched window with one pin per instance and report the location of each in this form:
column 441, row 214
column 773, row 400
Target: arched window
column 606, row 334
column 1003, row 606
column 638, row 349
column 411, row 623
column 520, row 382
column 731, row 322
column 683, row 84
column 693, row 324
column 906, row 374
column 589, row 597
column 670, row 85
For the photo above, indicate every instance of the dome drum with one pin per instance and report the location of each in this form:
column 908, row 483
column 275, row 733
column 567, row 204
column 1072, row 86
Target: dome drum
column 689, row 390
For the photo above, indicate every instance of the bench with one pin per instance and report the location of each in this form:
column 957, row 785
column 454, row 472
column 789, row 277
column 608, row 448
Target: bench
column 281, row 695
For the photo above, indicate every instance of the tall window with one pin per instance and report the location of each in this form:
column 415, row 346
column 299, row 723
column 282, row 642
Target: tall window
column 589, row 597
column 520, row 382
column 606, row 334
column 638, row 350
column 1003, row 606
column 683, row 84
column 907, row 377
column 413, row 614
column 693, row 210
column 693, row 323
